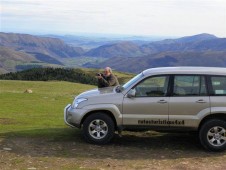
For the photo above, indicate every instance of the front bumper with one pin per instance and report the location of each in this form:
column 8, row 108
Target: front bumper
column 73, row 117
column 66, row 116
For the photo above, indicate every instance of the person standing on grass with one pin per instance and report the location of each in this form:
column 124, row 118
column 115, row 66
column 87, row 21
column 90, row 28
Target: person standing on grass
column 107, row 79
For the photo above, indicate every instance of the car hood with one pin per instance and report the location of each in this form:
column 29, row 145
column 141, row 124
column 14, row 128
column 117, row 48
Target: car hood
column 97, row 92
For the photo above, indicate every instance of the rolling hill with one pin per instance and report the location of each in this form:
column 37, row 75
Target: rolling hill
column 10, row 58
column 165, row 59
column 29, row 43
column 201, row 42
column 120, row 49
column 21, row 51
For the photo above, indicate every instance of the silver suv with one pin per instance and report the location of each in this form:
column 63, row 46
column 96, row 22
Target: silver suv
column 170, row 98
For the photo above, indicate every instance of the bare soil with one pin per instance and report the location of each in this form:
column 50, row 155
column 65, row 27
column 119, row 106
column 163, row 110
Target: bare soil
column 134, row 150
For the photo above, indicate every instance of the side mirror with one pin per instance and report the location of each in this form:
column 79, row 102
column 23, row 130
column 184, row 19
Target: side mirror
column 131, row 93
column 119, row 89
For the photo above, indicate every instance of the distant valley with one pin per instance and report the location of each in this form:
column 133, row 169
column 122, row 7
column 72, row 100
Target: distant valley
column 23, row 51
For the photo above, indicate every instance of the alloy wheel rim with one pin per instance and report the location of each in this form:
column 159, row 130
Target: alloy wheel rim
column 98, row 129
column 216, row 136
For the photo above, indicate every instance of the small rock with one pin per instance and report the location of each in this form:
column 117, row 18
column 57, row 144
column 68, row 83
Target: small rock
column 7, row 149
column 32, row 168
column 28, row 91
column 185, row 163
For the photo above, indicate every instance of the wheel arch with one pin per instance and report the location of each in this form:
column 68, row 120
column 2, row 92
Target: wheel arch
column 219, row 116
column 109, row 113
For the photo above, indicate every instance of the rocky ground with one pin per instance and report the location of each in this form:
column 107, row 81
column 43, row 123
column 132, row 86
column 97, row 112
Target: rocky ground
column 134, row 150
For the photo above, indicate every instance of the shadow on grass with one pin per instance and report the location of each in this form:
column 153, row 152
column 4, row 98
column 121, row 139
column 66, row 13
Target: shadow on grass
column 67, row 142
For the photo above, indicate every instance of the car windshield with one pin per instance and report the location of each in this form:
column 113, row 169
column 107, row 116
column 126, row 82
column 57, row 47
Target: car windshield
column 132, row 81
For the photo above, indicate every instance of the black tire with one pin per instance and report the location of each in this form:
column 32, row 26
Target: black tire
column 101, row 133
column 212, row 135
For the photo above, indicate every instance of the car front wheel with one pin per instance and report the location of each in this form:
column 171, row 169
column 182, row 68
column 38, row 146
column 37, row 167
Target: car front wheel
column 98, row 128
column 212, row 135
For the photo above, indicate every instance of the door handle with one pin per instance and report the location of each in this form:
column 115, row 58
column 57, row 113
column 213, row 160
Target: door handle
column 201, row 101
column 162, row 101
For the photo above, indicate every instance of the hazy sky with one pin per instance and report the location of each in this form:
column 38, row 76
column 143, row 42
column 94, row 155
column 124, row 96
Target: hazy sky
column 138, row 17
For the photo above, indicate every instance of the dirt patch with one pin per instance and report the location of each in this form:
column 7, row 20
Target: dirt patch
column 132, row 151
column 7, row 121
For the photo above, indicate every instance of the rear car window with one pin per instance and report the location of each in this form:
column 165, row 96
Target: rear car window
column 219, row 85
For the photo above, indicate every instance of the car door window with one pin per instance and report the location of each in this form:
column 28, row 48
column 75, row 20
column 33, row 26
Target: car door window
column 189, row 85
column 152, row 87
column 219, row 85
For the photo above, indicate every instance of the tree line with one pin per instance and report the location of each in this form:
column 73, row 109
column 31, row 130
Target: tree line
column 47, row 74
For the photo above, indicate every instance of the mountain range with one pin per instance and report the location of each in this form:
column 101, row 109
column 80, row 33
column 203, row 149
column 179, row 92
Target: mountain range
column 197, row 50
column 23, row 51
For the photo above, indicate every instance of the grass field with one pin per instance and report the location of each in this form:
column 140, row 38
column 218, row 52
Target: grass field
column 33, row 136
column 24, row 114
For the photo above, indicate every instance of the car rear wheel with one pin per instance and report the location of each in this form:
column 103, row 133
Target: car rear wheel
column 98, row 128
column 212, row 135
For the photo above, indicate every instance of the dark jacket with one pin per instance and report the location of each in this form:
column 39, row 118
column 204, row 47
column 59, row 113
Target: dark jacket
column 108, row 81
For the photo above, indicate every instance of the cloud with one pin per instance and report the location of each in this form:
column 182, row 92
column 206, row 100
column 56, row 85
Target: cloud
column 173, row 17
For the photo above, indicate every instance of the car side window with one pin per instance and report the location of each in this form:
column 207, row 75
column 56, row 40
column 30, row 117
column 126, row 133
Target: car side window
column 152, row 87
column 189, row 85
column 219, row 85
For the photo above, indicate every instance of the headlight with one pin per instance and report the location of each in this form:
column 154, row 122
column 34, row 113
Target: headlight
column 77, row 101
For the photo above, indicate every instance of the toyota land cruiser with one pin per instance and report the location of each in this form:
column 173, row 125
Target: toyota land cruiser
column 168, row 98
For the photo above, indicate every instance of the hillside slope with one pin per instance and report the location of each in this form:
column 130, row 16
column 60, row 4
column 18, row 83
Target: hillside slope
column 121, row 49
column 9, row 58
column 165, row 59
column 34, row 44
column 198, row 42
column 197, row 50
column 21, row 51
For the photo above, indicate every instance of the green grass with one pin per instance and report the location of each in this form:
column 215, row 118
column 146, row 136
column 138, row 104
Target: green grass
column 39, row 113
column 80, row 61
